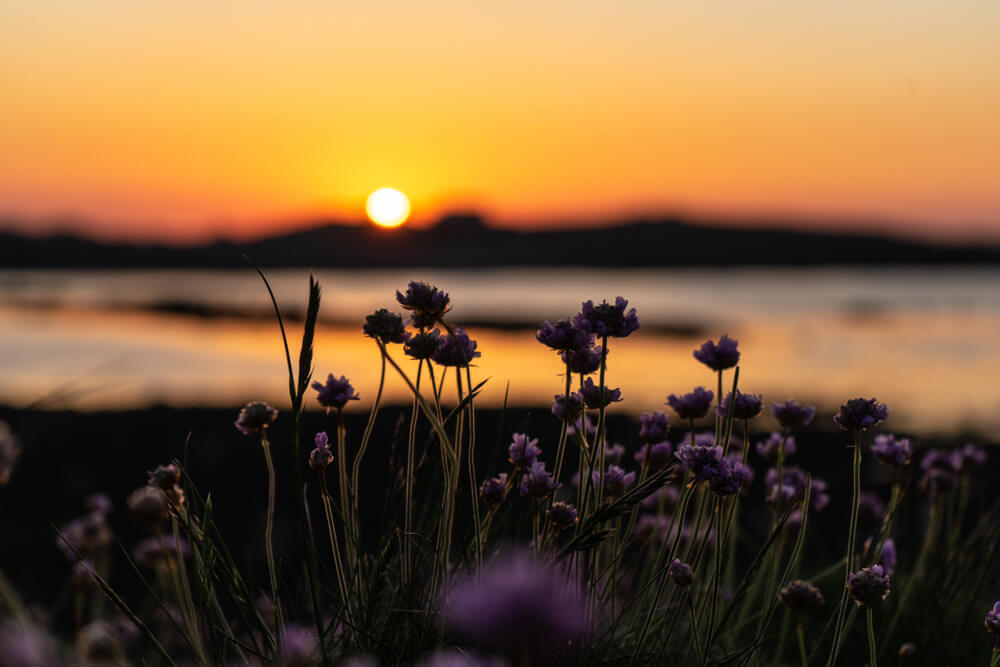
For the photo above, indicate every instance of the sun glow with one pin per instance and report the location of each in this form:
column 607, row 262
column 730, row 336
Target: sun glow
column 388, row 207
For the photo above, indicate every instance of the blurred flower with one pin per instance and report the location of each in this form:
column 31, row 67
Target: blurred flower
column 423, row 345
column 536, row 481
column 563, row 335
column 937, row 481
column 801, row 596
column 523, row 450
column 562, row 514
column 747, row 406
column 24, row 644
column 702, row 461
column 83, row 575
column 584, row 362
column 10, row 452
column 299, row 647
column 494, row 489
column 650, row 527
column 660, row 455
column 607, row 320
column 769, row 448
column 518, row 606
column 993, row 620
column 859, row 414
column 729, row 478
column 321, row 456
column 98, row 503
column 793, row 482
column 335, row 393
column 149, row 506
column 595, row 397
column 968, row 457
column 458, row 350
column 681, row 573
column 718, row 356
column 616, row 481
column 908, row 648
column 888, row 559
column 254, row 416
column 614, row 453
column 167, row 479
column 653, row 427
column 453, row 657
column 385, row 326
column 97, row 643
column 665, row 497
column 88, row 535
column 869, row 502
column 427, row 303
column 160, row 553
column 867, row 585
column 693, row 405
column 589, row 426
column 890, row 451
column 792, row 415
column 574, row 405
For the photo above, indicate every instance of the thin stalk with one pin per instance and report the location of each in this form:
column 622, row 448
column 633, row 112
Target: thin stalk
column 338, row 566
column 411, row 444
column 345, row 495
column 803, row 654
column 996, row 655
column 695, row 639
column 362, row 448
column 713, row 590
column 872, row 653
column 272, row 570
column 601, row 424
column 849, row 558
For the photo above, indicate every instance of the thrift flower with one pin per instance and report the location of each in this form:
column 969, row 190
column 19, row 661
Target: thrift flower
column 564, row 335
column 335, row 393
column 456, row 351
column 801, row 596
column 747, row 406
column 614, row 453
column 422, row 345
column 523, row 450
column 589, row 427
column 494, row 490
column 792, row 415
column 385, row 326
column 299, row 646
column 681, row 573
column 160, row 553
column 595, row 397
column 941, row 459
column 98, row 503
column 255, row 416
column 993, row 620
column 665, row 496
column 562, row 514
column 859, row 414
column 653, row 427
column 769, row 448
column 427, row 304
column 149, row 506
column 693, row 405
column 968, row 457
column 892, row 452
column 616, row 481
column 651, row 527
column 867, row 585
column 730, row 477
column 607, row 320
column 583, row 361
column 719, row 356
column 701, row 461
column 536, row 482
column 574, row 405
column 321, row 457
column 660, row 455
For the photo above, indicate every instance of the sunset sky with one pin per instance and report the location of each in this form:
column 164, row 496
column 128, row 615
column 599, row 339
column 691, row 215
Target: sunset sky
column 191, row 120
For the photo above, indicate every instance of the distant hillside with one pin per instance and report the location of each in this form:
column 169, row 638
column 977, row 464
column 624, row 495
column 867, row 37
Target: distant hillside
column 464, row 241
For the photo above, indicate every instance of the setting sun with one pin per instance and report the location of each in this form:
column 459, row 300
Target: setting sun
column 387, row 207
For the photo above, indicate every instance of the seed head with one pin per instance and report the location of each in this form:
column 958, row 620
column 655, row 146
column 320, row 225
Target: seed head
column 801, row 596
column 868, row 585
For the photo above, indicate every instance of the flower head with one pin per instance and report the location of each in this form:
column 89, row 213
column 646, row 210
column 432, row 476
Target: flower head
column 457, row 350
column 517, row 605
column 867, row 585
column 607, row 320
column 769, row 448
column 494, row 489
column 562, row 514
column 665, row 497
column 892, row 452
column 564, row 335
column 427, row 303
column 653, row 426
column 321, row 456
column 702, row 461
column 659, row 455
column 563, row 405
column 718, row 356
column 149, row 505
column 968, row 457
column 747, row 406
column 859, row 414
column 693, row 405
column 85, row 537
column 681, row 573
column 385, row 326
column 255, row 416
column 299, row 646
column 423, row 345
column 589, row 427
column 160, row 553
column 98, row 503
column 598, row 397
column 730, row 477
column 801, row 596
column 167, row 479
column 335, row 393
column 523, row 450
column 536, row 481
column 792, row 415
column 616, row 481
column 583, row 361
column 614, row 453
column 993, row 619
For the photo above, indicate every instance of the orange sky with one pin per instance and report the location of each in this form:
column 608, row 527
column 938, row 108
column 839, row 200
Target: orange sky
column 189, row 120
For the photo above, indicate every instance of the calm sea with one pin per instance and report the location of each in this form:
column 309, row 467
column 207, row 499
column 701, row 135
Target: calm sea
column 924, row 340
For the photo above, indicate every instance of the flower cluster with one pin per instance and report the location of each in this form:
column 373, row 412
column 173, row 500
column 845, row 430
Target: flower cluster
column 730, row 477
column 702, row 461
column 494, row 489
column 456, row 350
column 681, row 573
column 656, row 456
column 427, row 304
column 868, row 585
column 423, row 345
column 653, row 427
column 595, row 397
column 385, row 326
column 616, row 481
column 993, row 620
column 523, row 450
column 564, row 336
column 583, row 361
column 801, row 596
column 255, row 416
column 562, row 515
column 607, row 320
column 718, row 356
column 536, row 481
column 321, row 456
column 693, row 405
column 892, row 452
column 792, row 415
column 563, row 405
column 859, row 414
column 335, row 393
column 745, row 406
column 770, row 448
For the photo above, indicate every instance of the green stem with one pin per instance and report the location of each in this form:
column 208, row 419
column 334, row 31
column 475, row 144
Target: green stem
column 695, row 639
column 362, row 448
column 849, row 558
column 338, row 566
column 872, row 653
column 268, row 536
column 601, row 424
column 411, row 444
column 996, row 656
column 803, row 654
column 350, row 541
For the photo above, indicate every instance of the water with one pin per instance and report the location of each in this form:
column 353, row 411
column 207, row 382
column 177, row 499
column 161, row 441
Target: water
column 923, row 340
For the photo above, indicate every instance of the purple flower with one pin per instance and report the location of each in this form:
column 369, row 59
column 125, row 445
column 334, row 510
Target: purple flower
column 801, row 596
column 616, row 481
column 320, row 457
column 719, row 356
column 563, row 335
column 892, row 452
column 448, row 658
column 595, row 397
column 769, row 448
column 871, row 503
column 255, row 416
column 457, row 350
column 937, row 481
column 561, row 404
column 25, row 644
column 422, row 345
column 660, row 455
column 867, row 585
column 888, row 559
column 335, row 393
column 859, row 414
column 385, row 326
column 562, row 514
column 523, row 450
column 494, row 489
column 607, row 320
column 614, row 453
column 517, row 605
column 651, row 527
column 702, row 461
column 589, row 426
column 968, row 457
column 993, row 619
column 99, row 503
column 693, row 405
column 299, row 646
column 665, row 497
column 428, row 303
column 149, row 505
column 653, row 427
column 537, row 482
column 792, row 415
column 681, row 573
column 793, row 482
column 940, row 459
column 160, row 553
column 747, row 406
column 730, row 477
column 583, row 361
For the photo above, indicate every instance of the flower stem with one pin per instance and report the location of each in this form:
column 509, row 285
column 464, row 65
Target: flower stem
column 872, row 653
column 411, row 443
column 996, row 656
column 803, row 654
column 338, row 566
column 268, row 534
column 849, row 558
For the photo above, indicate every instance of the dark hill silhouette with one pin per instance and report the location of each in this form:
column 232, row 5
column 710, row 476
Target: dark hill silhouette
column 465, row 241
